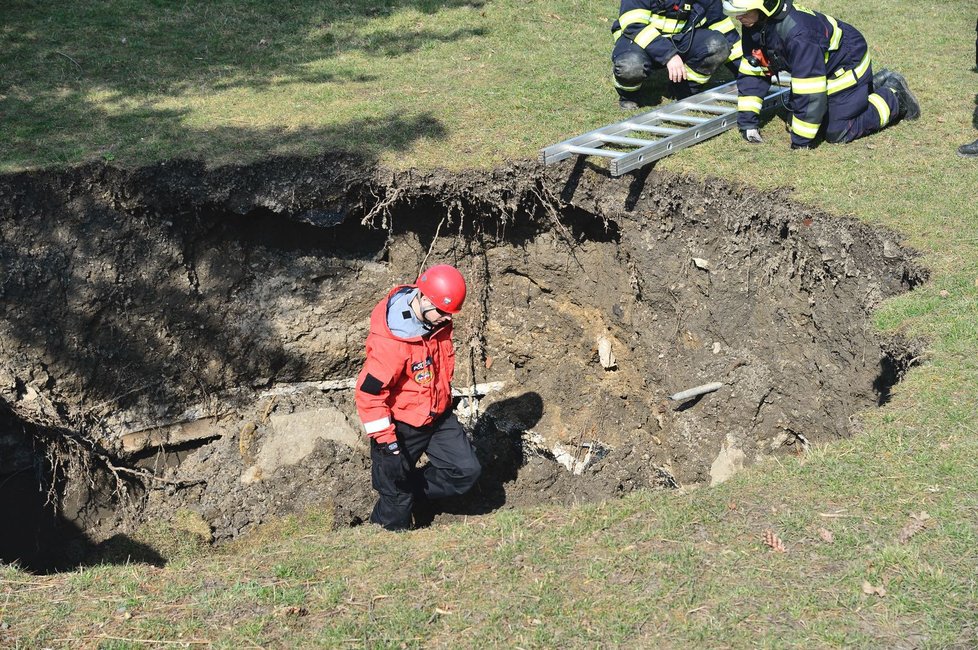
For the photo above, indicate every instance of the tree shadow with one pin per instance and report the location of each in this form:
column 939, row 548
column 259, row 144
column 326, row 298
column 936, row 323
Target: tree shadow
column 79, row 80
column 498, row 440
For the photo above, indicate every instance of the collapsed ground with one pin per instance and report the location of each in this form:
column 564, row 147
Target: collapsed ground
column 178, row 344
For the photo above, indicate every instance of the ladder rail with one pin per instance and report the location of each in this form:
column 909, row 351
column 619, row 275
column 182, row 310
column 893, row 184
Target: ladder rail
column 673, row 121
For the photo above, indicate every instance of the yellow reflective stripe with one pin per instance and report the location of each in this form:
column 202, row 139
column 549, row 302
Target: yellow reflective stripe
column 616, row 35
column 667, row 25
column 836, row 34
column 881, row 107
column 627, row 88
column 736, row 51
column 641, row 16
column 803, row 128
column 847, row 78
column 862, row 67
column 696, row 77
column 807, row 85
column 747, row 68
column 749, row 104
column 724, row 25
column 646, row 36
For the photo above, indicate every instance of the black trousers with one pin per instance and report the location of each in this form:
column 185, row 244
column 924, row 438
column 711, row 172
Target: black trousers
column 452, row 469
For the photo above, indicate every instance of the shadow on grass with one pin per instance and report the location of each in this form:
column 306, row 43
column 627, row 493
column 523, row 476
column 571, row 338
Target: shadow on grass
column 77, row 80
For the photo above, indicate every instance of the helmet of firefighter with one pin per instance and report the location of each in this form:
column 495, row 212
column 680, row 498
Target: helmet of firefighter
column 444, row 286
column 739, row 7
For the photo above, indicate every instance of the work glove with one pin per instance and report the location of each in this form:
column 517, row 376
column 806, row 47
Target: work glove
column 386, row 441
column 752, row 135
column 390, row 449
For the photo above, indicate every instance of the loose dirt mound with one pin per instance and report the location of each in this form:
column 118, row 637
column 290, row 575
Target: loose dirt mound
column 198, row 330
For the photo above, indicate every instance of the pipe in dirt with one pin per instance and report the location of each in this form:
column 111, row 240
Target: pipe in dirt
column 698, row 390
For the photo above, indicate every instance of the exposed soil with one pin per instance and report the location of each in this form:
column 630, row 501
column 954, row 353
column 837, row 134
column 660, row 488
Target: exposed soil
column 193, row 332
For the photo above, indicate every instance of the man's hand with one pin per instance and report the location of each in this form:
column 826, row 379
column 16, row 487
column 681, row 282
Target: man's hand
column 676, row 69
column 752, row 135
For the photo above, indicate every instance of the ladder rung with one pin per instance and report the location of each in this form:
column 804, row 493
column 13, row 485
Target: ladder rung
column 724, row 97
column 620, row 139
column 658, row 130
column 590, row 151
column 710, row 108
column 689, row 119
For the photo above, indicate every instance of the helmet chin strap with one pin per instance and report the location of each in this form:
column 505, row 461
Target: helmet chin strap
column 428, row 325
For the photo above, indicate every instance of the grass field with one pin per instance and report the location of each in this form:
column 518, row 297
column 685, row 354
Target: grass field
column 881, row 530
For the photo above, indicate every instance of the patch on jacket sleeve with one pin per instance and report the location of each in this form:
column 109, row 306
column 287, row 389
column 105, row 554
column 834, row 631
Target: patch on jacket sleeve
column 371, row 385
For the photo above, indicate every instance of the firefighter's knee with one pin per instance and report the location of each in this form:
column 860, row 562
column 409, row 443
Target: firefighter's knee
column 631, row 68
column 837, row 136
column 717, row 50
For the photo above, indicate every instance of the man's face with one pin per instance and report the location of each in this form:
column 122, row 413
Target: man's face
column 750, row 18
column 432, row 314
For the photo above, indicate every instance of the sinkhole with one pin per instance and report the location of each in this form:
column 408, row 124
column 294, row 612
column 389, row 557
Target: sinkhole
column 179, row 342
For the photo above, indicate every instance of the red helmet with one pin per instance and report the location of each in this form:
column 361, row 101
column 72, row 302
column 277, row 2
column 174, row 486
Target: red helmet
column 444, row 286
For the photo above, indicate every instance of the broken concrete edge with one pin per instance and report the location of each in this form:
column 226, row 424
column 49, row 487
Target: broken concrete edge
column 199, row 422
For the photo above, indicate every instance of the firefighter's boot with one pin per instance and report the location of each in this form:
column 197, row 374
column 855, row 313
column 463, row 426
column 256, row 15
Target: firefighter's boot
column 909, row 107
column 969, row 150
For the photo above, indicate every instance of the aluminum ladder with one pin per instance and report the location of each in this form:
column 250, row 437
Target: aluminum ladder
column 677, row 125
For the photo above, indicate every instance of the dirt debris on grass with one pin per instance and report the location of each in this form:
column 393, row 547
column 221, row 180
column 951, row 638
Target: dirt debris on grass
column 199, row 330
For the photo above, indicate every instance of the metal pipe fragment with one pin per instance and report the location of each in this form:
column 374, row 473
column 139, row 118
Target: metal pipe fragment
column 699, row 390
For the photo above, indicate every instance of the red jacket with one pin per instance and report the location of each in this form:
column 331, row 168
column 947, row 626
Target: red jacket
column 408, row 380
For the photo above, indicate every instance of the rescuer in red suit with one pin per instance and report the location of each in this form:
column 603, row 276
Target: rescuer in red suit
column 404, row 397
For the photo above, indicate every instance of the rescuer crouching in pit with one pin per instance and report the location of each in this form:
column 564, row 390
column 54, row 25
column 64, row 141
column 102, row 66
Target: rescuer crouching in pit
column 404, row 398
column 691, row 39
column 833, row 90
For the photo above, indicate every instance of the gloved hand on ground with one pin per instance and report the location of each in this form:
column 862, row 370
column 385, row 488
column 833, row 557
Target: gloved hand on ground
column 752, row 135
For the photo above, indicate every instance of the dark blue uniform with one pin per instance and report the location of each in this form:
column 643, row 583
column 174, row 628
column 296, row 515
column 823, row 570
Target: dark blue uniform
column 831, row 77
column 650, row 32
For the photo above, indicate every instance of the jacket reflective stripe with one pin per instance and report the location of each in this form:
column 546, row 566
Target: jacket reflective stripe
column 723, row 26
column 802, row 128
column 836, row 39
column 747, row 103
column 646, row 36
column 881, row 107
column 847, row 78
column 667, row 25
column 736, row 51
column 374, row 426
column 808, row 85
column 635, row 16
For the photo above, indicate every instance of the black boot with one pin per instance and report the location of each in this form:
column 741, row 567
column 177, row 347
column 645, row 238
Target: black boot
column 909, row 108
column 880, row 78
column 969, row 150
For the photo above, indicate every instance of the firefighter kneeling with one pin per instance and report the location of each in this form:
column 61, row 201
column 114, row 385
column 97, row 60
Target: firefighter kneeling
column 833, row 89
column 404, row 397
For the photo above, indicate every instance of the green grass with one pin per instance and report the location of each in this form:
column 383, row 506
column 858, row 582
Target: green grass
column 421, row 83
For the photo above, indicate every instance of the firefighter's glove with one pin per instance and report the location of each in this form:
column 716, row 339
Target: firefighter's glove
column 387, row 447
column 386, row 441
column 752, row 135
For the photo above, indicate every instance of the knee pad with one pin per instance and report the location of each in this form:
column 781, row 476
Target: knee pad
column 631, row 68
column 717, row 50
